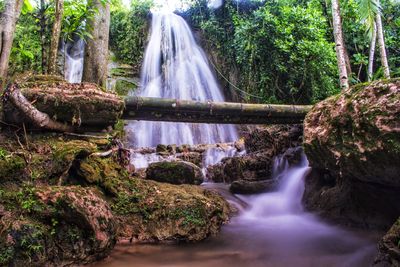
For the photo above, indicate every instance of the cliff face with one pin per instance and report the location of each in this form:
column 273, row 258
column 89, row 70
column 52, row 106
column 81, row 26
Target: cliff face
column 352, row 141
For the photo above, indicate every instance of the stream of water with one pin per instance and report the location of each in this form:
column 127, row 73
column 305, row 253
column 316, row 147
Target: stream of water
column 176, row 67
column 272, row 229
column 74, row 55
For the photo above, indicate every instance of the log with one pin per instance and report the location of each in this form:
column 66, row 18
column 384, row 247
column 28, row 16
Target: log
column 83, row 106
column 173, row 110
column 38, row 118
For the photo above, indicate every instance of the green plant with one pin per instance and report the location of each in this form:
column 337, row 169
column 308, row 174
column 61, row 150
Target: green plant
column 3, row 153
column 27, row 199
column 6, row 254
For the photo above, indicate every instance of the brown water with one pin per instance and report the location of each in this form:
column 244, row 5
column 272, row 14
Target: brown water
column 271, row 230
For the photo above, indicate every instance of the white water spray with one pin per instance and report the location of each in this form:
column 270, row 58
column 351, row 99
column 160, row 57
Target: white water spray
column 176, row 67
column 74, row 53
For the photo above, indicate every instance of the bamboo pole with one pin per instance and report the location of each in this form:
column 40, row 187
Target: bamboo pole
column 173, row 110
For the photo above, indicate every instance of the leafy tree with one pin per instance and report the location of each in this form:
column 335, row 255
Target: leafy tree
column 128, row 31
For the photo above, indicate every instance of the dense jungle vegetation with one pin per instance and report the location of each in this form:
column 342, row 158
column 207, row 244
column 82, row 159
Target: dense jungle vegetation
column 270, row 51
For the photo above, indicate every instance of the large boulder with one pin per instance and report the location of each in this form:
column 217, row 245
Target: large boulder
column 152, row 211
column 55, row 226
column 352, row 141
column 389, row 248
column 175, row 172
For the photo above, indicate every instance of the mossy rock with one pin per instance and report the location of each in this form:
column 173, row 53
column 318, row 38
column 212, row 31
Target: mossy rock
column 389, row 247
column 356, row 134
column 55, row 226
column 352, row 141
column 124, row 87
column 12, row 167
column 152, row 211
column 175, row 172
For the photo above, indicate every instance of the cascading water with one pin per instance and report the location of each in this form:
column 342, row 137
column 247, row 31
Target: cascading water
column 272, row 229
column 176, row 67
column 74, row 53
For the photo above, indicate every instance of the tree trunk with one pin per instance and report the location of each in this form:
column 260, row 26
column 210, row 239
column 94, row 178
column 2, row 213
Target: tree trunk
column 55, row 37
column 96, row 52
column 382, row 48
column 164, row 109
column 38, row 118
column 43, row 25
column 8, row 21
column 372, row 46
column 340, row 48
column 81, row 106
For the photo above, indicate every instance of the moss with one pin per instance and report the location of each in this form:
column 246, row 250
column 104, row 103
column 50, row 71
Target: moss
column 124, row 87
column 6, row 254
column 11, row 166
column 192, row 215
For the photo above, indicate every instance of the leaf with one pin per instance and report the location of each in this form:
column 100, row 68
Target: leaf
column 27, row 7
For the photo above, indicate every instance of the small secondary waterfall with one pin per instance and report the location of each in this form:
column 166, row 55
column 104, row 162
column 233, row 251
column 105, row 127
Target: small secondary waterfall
column 176, row 67
column 74, row 53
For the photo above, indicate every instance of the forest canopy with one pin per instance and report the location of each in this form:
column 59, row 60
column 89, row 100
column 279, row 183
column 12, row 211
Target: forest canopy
column 280, row 51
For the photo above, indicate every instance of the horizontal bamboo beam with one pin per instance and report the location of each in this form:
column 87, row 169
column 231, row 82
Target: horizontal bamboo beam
column 164, row 109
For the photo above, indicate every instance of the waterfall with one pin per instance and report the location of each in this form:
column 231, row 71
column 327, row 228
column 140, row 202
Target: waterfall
column 74, row 53
column 176, row 67
column 287, row 200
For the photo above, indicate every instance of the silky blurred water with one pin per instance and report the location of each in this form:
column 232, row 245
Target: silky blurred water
column 74, row 54
column 175, row 66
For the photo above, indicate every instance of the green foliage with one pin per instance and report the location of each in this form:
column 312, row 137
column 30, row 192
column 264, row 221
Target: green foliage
column 6, row 255
column 128, row 31
column 391, row 24
column 26, row 50
column 2, row 5
column 27, row 7
column 368, row 9
column 280, row 48
column 27, row 200
column 191, row 216
column 76, row 13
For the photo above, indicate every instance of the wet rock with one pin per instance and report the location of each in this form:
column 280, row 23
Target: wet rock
column 276, row 138
column 389, row 248
column 175, row 172
column 262, row 145
column 352, row 141
column 252, row 167
column 160, row 149
column 293, row 155
column 193, row 157
column 253, row 187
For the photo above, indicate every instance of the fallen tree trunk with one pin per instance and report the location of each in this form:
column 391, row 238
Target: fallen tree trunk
column 83, row 106
column 51, row 103
column 162, row 109
column 38, row 118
